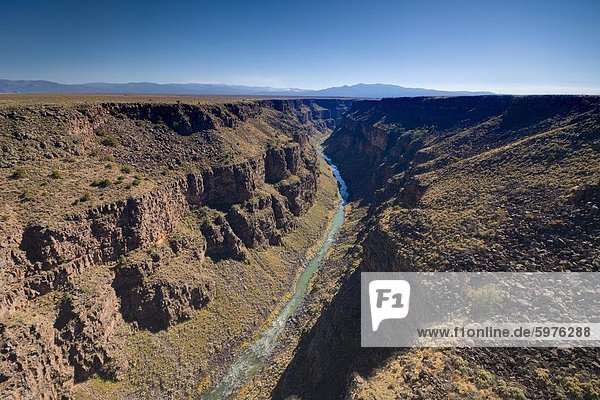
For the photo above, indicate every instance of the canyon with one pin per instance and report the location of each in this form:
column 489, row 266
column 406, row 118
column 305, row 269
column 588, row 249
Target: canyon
column 123, row 220
column 146, row 242
column 499, row 183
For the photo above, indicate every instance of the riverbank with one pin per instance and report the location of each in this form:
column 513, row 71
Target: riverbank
column 339, row 262
column 253, row 357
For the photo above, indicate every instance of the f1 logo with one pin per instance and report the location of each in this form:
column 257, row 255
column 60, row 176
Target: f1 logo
column 389, row 300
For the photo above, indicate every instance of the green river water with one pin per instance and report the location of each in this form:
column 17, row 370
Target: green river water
column 251, row 359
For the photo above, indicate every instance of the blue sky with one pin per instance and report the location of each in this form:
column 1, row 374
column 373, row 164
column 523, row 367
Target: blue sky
column 503, row 46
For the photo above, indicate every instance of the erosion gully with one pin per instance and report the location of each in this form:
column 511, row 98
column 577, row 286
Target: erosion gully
column 249, row 362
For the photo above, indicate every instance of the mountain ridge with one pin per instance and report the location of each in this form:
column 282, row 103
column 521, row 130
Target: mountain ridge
column 360, row 90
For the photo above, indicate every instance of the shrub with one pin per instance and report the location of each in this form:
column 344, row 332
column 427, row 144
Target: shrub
column 126, row 169
column 85, row 290
column 110, row 141
column 136, row 181
column 485, row 299
column 109, row 158
column 66, row 298
column 122, row 260
column 55, row 174
column 18, row 173
column 120, row 179
column 102, row 183
column 26, row 196
column 85, row 197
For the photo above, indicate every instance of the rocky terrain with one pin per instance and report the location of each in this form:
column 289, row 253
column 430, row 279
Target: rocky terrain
column 146, row 241
column 494, row 183
column 124, row 218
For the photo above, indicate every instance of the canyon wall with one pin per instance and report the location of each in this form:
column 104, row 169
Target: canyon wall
column 241, row 172
column 492, row 183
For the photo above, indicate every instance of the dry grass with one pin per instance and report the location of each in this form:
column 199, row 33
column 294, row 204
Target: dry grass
column 432, row 373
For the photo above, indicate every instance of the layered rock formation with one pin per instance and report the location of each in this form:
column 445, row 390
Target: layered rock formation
column 211, row 180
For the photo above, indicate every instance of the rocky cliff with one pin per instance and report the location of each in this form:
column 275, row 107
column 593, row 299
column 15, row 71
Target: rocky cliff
column 109, row 211
column 493, row 183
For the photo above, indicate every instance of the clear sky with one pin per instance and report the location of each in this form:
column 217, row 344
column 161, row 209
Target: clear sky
column 503, row 46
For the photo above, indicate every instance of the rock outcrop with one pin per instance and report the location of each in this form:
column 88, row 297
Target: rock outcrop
column 221, row 241
column 157, row 302
column 31, row 365
column 88, row 323
column 100, row 235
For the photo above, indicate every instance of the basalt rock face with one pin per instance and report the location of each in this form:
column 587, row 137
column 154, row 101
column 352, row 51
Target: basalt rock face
column 87, row 325
column 157, row 304
column 383, row 138
column 211, row 180
column 32, row 366
column 154, row 297
column 255, row 222
column 42, row 358
column 100, row 235
column 493, row 183
column 221, row 241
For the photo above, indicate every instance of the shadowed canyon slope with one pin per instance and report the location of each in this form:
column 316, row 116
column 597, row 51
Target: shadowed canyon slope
column 494, row 183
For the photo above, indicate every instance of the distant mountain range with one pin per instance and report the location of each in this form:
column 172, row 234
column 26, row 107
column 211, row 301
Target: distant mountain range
column 376, row 90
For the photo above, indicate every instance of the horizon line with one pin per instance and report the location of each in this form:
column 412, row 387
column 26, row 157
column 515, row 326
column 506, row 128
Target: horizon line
column 496, row 91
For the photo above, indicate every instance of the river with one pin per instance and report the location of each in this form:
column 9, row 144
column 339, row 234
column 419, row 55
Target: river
column 251, row 359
